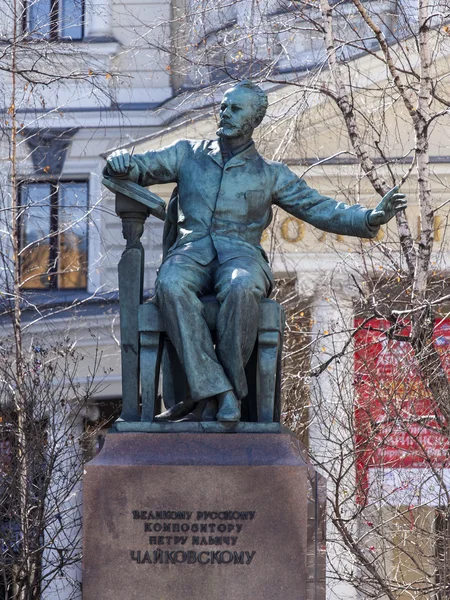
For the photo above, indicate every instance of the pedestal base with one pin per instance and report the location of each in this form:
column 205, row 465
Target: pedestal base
column 202, row 516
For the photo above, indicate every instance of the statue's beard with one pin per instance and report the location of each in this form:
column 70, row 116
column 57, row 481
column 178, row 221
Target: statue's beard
column 228, row 131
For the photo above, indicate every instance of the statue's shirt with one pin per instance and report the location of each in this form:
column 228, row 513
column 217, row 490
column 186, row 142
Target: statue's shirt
column 223, row 209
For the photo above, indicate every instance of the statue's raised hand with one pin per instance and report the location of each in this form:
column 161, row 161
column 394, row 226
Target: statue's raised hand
column 119, row 162
column 390, row 205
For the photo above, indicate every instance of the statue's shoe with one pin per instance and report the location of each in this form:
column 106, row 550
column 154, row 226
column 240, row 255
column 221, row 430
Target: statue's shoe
column 190, row 418
column 176, row 412
column 229, row 408
column 198, row 413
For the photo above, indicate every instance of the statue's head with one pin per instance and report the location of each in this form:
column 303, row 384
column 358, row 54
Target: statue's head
column 242, row 109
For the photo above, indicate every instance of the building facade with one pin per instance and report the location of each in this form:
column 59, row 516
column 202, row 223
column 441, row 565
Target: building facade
column 82, row 79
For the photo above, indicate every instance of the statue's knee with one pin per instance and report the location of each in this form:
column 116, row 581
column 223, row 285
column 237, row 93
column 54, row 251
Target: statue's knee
column 240, row 287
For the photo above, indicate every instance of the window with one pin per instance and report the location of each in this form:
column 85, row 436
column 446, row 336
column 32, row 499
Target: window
column 55, row 19
column 53, row 234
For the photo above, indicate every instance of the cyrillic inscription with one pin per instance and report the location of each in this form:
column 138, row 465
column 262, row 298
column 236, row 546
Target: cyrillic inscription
column 206, row 522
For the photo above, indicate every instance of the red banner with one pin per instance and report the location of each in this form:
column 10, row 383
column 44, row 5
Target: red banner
column 396, row 420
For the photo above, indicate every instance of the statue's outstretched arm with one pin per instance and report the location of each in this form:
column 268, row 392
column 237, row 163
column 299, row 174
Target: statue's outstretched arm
column 294, row 195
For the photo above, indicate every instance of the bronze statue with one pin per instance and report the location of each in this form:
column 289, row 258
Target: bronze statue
column 225, row 191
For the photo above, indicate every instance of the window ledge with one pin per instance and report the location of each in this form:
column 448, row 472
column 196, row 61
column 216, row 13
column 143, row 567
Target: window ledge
column 52, row 298
column 100, row 46
column 37, row 305
column 33, row 299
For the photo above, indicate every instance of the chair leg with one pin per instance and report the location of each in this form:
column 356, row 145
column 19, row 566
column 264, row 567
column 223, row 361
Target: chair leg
column 277, row 403
column 151, row 353
column 249, row 403
column 266, row 377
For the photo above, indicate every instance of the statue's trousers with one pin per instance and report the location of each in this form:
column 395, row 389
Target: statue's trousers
column 239, row 285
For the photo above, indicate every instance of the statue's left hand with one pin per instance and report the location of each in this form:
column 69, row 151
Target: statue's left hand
column 390, row 205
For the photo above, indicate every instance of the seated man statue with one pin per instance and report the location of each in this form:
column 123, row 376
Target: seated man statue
column 225, row 193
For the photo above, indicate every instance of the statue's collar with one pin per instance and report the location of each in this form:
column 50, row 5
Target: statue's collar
column 249, row 153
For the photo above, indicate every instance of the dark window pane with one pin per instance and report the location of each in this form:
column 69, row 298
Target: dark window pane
column 71, row 22
column 39, row 18
column 35, row 202
column 72, row 225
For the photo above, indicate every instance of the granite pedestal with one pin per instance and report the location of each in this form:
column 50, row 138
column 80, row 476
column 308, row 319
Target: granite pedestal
column 200, row 516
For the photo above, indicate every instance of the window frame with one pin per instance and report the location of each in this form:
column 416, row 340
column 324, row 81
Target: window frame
column 54, row 34
column 54, row 234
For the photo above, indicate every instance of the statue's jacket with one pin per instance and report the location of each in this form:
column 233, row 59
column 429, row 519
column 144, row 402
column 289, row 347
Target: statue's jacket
column 223, row 209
